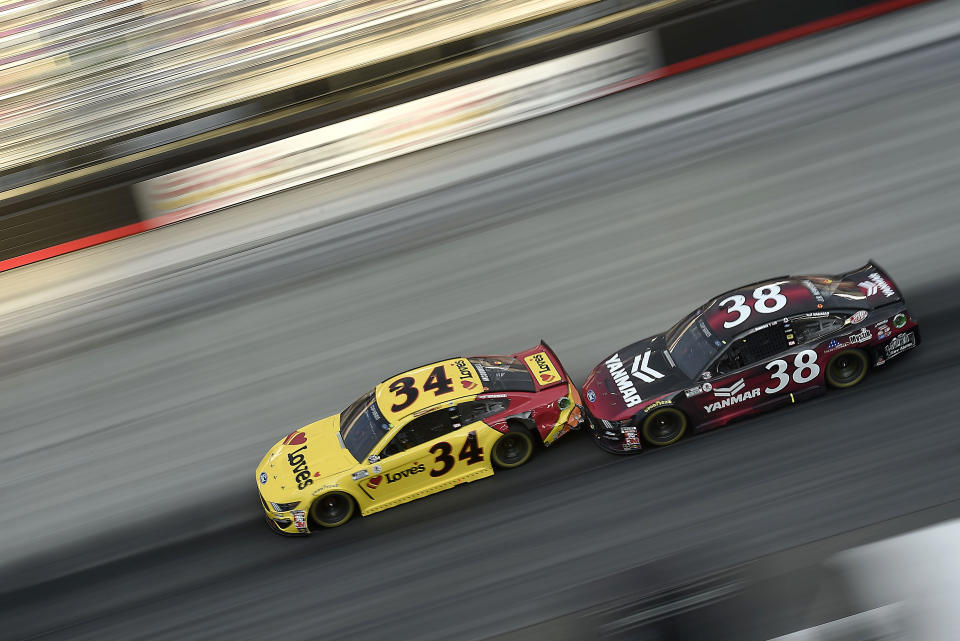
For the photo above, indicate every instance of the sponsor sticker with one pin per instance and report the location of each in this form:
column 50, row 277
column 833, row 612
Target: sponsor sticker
column 730, row 395
column 876, row 283
column 899, row 320
column 899, row 344
column 591, row 395
column 543, row 370
column 883, row 330
column 263, row 478
column 859, row 317
column 298, row 462
column 699, row 389
column 300, row 520
column 416, row 468
column 362, row 474
column 862, row 336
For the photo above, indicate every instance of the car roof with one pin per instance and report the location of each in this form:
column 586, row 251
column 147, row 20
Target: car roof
column 463, row 377
column 802, row 294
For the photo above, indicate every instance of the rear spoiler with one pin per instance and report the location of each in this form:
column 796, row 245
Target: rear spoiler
column 544, row 366
column 875, row 282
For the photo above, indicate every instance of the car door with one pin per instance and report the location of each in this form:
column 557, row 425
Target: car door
column 428, row 454
column 755, row 372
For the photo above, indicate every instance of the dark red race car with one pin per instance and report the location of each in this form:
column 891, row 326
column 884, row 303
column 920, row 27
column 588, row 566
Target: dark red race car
column 752, row 349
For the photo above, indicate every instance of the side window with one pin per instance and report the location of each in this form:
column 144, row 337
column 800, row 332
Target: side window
column 811, row 329
column 422, row 429
column 753, row 348
column 473, row 411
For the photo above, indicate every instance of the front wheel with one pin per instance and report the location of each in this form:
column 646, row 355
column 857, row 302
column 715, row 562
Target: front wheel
column 847, row 368
column 333, row 509
column 512, row 449
column 664, row 426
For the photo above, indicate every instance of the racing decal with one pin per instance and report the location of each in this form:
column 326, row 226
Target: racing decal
column 295, row 438
column 900, row 344
column 299, row 464
column 362, row 474
column 471, row 452
column 465, row 373
column 766, row 300
column 859, row 317
column 730, row 396
column 817, row 296
column 300, row 520
column 722, row 392
column 642, row 370
column 542, row 368
column 862, row 336
column 263, row 478
column 419, row 389
column 375, row 481
column 874, row 283
column 622, row 379
column 699, row 389
column 899, row 320
column 630, row 439
column 883, row 330
column 805, row 369
column 416, row 468
column 482, row 372
column 591, row 395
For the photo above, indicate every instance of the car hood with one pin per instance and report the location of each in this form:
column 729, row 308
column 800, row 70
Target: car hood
column 302, row 458
column 628, row 380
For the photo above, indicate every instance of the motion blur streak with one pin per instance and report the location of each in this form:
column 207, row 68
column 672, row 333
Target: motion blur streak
column 130, row 430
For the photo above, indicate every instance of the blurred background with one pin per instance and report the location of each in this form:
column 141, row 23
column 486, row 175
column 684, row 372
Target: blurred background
column 221, row 220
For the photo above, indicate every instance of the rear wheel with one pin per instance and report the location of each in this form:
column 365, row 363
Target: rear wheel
column 333, row 509
column 847, row 368
column 664, row 426
column 512, row 449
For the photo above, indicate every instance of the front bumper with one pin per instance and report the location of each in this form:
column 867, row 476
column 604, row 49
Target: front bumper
column 612, row 439
column 292, row 523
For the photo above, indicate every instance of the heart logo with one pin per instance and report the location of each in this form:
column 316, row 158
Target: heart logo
column 316, row 474
column 546, row 377
column 468, row 384
column 374, row 482
column 295, row 438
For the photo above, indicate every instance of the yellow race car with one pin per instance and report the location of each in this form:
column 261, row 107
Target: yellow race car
column 417, row 433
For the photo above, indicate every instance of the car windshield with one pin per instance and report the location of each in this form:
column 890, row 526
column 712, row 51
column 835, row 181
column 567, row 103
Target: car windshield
column 362, row 426
column 692, row 343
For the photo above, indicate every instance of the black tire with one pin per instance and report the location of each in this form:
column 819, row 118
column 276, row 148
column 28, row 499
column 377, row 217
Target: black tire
column 332, row 509
column 512, row 449
column 847, row 368
column 664, row 426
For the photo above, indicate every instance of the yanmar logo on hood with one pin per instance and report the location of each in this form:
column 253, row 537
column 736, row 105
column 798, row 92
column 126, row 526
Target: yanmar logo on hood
column 622, row 379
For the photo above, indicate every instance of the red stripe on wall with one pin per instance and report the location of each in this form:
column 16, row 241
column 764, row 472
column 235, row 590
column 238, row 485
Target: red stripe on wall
column 848, row 17
column 73, row 245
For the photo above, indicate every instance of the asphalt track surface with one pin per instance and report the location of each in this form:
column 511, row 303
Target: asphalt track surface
column 130, row 431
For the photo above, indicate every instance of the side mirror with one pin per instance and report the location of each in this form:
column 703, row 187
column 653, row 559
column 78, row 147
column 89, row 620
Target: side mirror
column 373, row 458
